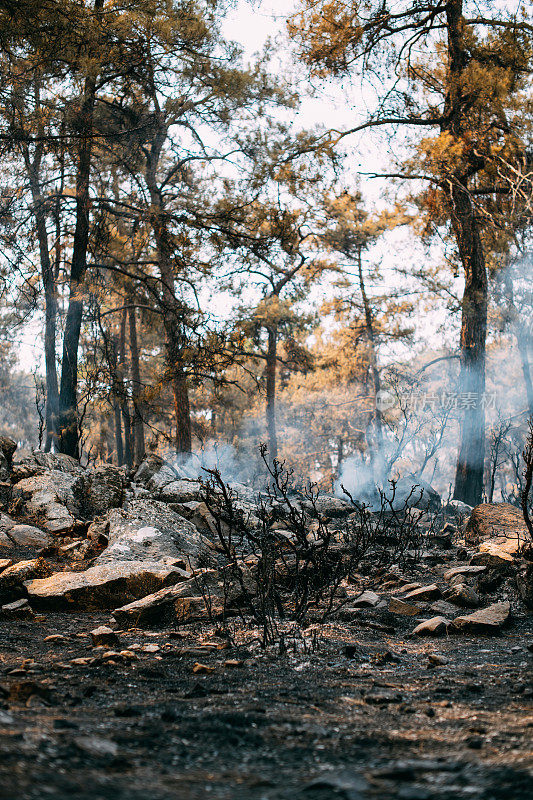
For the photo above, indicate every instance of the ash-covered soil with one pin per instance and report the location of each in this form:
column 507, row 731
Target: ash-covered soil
column 347, row 711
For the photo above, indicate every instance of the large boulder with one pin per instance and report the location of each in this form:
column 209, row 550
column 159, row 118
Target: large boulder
column 52, row 499
column 101, row 586
column 180, row 491
column 150, row 530
column 147, row 468
column 486, row 620
column 501, row 523
column 413, row 492
column 39, row 462
column 103, row 488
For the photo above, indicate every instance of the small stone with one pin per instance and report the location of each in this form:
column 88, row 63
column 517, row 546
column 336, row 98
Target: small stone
column 55, row 638
column 432, row 627
column 20, row 609
column 150, row 648
column 84, row 661
column 233, row 663
column 368, row 599
column 464, row 570
column 397, row 606
column 463, row 596
column 408, row 587
column 431, row 592
column 202, row 669
column 436, row 660
column 96, row 746
column 104, row 636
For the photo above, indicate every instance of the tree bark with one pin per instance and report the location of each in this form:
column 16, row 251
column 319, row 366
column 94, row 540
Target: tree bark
column 126, row 416
column 372, row 357
column 271, row 369
column 138, row 424
column 470, row 462
column 173, row 311
column 50, row 300
column 68, row 416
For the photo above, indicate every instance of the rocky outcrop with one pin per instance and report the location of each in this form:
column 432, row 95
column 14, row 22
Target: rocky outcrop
column 52, row 498
column 102, row 586
column 150, row 530
column 103, row 488
column 500, row 522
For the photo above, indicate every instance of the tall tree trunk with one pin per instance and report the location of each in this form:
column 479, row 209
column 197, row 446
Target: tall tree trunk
column 124, row 407
column 372, row 357
column 68, row 416
column 271, row 369
column 138, row 424
column 113, row 367
column 470, row 463
column 50, row 300
column 173, row 311
column 522, row 341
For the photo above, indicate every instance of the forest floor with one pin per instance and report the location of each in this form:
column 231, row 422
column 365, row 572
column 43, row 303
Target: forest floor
column 363, row 713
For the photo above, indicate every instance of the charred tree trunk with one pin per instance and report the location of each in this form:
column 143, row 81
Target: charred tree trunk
column 372, row 357
column 124, row 407
column 113, row 367
column 50, row 300
column 522, row 342
column 138, row 424
column 470, row 463
column 68, row 416
column 271, row 370
column 173, row 311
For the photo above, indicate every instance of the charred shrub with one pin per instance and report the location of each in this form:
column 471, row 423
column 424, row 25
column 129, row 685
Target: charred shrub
column 283, row 556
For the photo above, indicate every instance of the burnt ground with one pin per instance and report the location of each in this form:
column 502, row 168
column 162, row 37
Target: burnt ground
column 349, row 711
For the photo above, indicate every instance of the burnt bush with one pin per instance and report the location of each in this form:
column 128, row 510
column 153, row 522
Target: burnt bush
column 284, row 557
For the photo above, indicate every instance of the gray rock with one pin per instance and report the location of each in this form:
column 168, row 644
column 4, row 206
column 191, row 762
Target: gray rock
column 524, row 583
column 150, row 530
column 53, row 497
column 166, row 605
column 102, row 586
column 29, row 536
column 103, row 489
column 39, row 462
column 180, row 491
column 366, row 600
column 7, row 450
column 413, row 492
column 148, row 468
column 165, row 475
